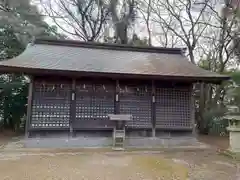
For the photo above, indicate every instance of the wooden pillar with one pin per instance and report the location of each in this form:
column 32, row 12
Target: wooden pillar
column 72, row 108
column 153, row 110
column 29, row 106
column 117, row 105
column 192, row 110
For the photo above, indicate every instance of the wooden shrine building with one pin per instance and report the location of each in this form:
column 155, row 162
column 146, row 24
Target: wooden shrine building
column 75, row 85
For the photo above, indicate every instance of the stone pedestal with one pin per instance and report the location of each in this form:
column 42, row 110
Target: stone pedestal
column 234, row 139
column 233, row 118
column 119, row 130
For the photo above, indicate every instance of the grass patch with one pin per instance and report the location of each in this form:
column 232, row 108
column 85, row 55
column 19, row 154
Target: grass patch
column 160, row 167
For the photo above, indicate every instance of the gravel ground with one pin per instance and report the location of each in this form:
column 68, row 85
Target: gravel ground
column 204, row 165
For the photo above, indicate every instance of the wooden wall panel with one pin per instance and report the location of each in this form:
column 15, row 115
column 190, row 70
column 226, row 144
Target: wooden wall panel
column 51, row 104
column 173, row 107
column 94, row 100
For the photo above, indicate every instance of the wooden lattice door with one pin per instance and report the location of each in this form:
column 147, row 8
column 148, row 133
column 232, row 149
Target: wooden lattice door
column 135, row 99
column 94, row 101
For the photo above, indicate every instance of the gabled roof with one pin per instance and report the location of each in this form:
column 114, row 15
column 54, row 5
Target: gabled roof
column 62, row 56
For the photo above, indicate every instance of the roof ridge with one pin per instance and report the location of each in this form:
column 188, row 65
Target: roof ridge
column 109, row 46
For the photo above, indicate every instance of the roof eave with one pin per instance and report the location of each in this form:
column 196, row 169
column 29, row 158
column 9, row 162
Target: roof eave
column 76, row 74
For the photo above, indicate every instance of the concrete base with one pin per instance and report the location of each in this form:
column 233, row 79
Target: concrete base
column 101, row 142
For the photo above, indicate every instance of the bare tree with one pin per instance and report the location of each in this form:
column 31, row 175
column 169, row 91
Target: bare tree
column 165, row 37
column 225, row 44
column 219, row 54
column 186, row 19
column 4, row 5
column 123, row 13
column 81, row 19
column 145, row 10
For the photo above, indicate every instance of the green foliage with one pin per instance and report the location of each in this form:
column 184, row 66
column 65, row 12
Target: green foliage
column 23, row 19
column 19, row 24
column 218, row 127
column 236, row 77
column 9, row 44
column 14, row 90
column 213, row 120
column 212, row 99
column 233, row 92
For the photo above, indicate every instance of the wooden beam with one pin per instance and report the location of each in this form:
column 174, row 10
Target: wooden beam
column 72, row 107
column 29, row 106
column 117, row 104
column 192, row 111
column 153, row 109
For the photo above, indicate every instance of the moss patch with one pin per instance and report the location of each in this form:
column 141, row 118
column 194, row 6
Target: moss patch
column 161, row 167
column 230, row 154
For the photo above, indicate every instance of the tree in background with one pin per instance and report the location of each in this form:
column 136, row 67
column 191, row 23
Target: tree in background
column 88, row 20
column 20, row 22
column 221, row 57
column 81, row 19
column 122, row 15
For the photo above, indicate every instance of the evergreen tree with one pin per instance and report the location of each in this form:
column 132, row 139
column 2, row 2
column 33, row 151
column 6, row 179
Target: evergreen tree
column 20, row 22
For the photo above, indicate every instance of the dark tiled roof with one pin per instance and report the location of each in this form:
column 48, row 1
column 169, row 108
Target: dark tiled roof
column 73, row 56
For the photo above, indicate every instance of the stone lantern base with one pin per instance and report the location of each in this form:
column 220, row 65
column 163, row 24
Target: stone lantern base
column 234, row 139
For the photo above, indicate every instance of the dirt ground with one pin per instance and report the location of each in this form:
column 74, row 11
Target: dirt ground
column 220, row 142
column 165, row 165
column 201, row 165
column 6, row 136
